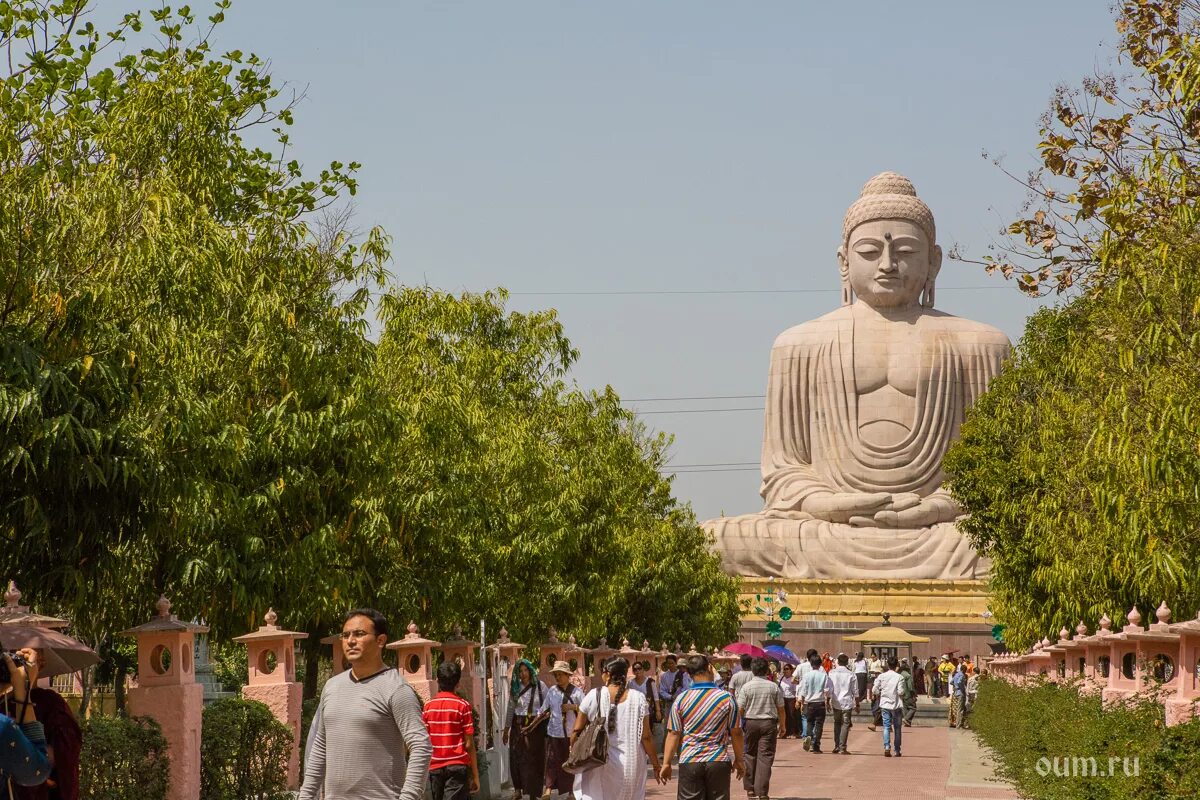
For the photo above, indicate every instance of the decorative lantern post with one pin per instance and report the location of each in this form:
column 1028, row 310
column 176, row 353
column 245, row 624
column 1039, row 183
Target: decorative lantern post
column 576, row 656
column 601, row 653
column 550, row 651
column 340, row 664
column 463, row 650
column 167, row 692
column 1182, row 707
column 1158, row 653
column 1123, row 677
column 1096, row 648
column 272, row 680
column 414, row 657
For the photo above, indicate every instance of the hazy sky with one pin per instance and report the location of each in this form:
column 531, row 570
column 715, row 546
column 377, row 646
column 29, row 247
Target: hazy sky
column 553, row 147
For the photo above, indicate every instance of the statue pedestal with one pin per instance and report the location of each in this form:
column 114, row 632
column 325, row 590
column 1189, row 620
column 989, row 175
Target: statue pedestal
column 950, row 613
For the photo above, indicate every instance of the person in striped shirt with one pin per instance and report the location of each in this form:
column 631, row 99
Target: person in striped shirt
column 705, row 719
column 452, row 731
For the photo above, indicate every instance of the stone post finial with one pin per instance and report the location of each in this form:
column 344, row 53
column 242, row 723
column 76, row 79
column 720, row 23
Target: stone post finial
column 692, row 649
column 413, row 631
column 625, row 643
column 1064, row 634
column 1134, row 616
column 13, row 596
column 1163, row 613
column 457, row 631
column 646, row 644
column 1105, row 623
column 678, row 646
column 663, row 650
column 503, row 637
column 271, row 618
column 163, row 605
column 1080, row 630
column 602, row 644
column 1045, row 641
column 553, row 634
column 571, row 641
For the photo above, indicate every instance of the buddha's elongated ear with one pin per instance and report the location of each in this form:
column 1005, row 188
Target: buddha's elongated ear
column 844, row 271
column 935, row 266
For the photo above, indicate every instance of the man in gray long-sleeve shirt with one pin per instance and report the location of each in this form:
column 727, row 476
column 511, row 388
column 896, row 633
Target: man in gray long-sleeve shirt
column 368, row 717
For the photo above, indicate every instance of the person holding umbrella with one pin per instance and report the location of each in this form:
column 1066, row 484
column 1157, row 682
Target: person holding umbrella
column 22, row 738
column 51, row 652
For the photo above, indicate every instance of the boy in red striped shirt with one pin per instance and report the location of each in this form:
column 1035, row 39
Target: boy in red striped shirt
column 452, row 731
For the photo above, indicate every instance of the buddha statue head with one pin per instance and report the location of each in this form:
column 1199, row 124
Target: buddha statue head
column 889, row 256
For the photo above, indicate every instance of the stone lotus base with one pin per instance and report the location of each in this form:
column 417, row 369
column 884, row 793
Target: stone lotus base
column 950, row 613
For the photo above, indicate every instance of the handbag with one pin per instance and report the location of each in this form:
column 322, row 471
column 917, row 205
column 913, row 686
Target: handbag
column 590, row 748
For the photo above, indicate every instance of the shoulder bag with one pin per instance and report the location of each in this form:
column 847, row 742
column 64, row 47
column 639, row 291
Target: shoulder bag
column 590, row 748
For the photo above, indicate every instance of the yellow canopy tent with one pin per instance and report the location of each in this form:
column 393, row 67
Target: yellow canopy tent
column 888, row 635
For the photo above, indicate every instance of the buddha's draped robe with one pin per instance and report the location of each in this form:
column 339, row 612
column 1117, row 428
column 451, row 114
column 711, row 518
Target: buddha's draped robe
column 811, row 444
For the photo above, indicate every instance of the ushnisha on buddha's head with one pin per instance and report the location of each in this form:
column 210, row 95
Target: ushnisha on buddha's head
column 889, row 256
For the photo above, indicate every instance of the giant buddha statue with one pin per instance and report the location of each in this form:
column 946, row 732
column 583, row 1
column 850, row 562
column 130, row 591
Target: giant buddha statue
column 862, row 405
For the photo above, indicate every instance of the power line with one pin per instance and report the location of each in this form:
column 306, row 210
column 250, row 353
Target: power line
column 698, row 397
column 716, row 464
column 698, row 410
column 627, row 292
column 723, row 469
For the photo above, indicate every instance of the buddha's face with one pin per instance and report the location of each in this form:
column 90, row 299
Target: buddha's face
column 888, row 262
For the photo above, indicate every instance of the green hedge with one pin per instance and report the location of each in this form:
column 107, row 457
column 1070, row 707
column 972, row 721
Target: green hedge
column 244, row 752
column 123, row 759
column 1045, row 737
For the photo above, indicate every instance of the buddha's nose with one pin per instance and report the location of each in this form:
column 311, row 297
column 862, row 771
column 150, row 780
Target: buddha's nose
column 887, row 263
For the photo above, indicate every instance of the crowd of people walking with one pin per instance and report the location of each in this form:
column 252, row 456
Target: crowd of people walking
column 373, row 738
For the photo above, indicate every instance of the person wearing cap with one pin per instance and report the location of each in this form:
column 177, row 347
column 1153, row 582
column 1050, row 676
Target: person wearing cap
column 945, row 670
column 561, row 704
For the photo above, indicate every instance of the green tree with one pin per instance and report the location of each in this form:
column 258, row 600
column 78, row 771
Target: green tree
column 191, row 400
column 1080, row 466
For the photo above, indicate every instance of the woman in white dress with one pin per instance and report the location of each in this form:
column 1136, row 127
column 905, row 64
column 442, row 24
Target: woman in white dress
column 630, row 743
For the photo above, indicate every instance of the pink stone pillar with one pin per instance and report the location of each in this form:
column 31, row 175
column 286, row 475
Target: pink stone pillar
column 1123, row 673
column 168, row 693
column 550, row 651
column 339, row 655
column 1183, row 706
column 465, row 652
column 599, row 656
column 272, row 681
column 414, row 657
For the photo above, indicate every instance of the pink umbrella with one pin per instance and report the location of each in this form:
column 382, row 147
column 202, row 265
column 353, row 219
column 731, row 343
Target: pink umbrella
column 61, row 654
column 744, row 649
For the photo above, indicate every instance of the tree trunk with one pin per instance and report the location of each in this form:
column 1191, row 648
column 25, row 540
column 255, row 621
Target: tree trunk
column 312, row 662
column 119, row 689
column 85, row 698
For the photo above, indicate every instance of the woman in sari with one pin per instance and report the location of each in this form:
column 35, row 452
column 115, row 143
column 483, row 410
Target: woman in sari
column 630, row 742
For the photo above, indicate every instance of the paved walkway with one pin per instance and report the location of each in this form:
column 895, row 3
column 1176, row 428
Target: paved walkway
column 939, row 763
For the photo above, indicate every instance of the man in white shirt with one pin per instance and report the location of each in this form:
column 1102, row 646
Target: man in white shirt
column 889, row 690
column 740, row 678
column 860, row 674
column 844, row 685
column 787, row 685
column 815, row 689
column 802, row 669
